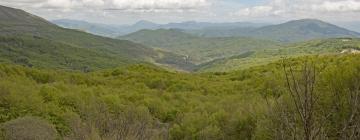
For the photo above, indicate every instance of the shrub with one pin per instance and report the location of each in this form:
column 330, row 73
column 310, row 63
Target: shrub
column 28, row 128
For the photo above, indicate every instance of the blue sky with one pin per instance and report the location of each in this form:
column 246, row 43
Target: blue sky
column 163, row 11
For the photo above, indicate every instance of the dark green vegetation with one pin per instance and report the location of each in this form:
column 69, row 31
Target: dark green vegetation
column 146, row 102
column 199, row 49
column 32, row 30
column 45, row 53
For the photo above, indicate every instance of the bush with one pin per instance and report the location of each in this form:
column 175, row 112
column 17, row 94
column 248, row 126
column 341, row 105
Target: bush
column 28, row 128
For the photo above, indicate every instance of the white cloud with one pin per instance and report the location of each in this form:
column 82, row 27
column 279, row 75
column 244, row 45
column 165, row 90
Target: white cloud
column 255, row 11
column 159, row 4
column 133, row 5
column 301, row 8
column 58, row 4
column 339, row 6
column 182, row 10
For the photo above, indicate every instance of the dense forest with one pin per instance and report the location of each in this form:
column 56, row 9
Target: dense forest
column 304, row 98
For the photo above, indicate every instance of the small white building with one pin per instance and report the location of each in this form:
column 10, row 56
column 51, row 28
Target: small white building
column 351, row 51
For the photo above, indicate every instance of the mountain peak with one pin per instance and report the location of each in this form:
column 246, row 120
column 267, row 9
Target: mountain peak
column 303, row 29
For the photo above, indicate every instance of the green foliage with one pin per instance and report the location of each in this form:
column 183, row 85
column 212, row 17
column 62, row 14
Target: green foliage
column 155, row 102
column 261, row 57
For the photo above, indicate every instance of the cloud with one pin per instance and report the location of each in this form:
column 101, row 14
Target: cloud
column 300, row 8
column 338, row 6
column 255, row 11
column 132, row 5
column 158, row 4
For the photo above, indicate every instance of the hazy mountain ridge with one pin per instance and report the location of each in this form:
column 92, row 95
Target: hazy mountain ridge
column 292, row 31
column 143, row 24
column 302, row 30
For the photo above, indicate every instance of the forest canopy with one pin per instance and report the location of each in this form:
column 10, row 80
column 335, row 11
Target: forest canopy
column 147, row 102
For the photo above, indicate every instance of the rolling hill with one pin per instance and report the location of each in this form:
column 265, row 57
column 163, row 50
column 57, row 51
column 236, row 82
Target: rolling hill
column 117, row 30
column 301, row 30
column 201, row 47
column 261, row 57
column 292, row 31
column 15, row 23
column 198, row 49
column 162, row 105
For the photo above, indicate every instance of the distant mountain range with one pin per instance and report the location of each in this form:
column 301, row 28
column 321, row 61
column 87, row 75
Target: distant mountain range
column 116, row 30
column 218, row 43
column 292, row 31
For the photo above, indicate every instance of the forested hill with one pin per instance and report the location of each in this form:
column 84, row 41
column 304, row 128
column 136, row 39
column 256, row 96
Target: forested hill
column 290, row 32
column 302, row 30
column 147, row 102
column 17, row 24
column 261, row 57
column 199, row 49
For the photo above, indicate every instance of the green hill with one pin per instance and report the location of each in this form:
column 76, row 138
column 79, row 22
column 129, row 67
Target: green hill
column 301, row 30
column 255, row 58
column 16, row 23
column 292, row 31
column 198, row 49
column 44, row 53
column 157, row 104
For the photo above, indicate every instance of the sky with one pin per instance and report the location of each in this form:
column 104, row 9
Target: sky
column 165, row 11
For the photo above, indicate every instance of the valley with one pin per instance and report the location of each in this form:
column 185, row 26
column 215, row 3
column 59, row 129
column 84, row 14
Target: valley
column 76, row 80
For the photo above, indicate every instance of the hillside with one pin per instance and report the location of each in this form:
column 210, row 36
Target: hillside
column 16, row 22
column 159, row 105
column 45, row 53
column 256, row 58
column 301, row 30
column 292, row 31
column 198, row 49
